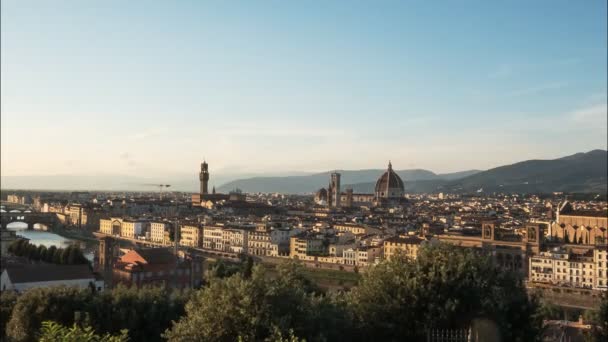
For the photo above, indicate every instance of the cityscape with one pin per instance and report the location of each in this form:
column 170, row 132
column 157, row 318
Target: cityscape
column 315, row 208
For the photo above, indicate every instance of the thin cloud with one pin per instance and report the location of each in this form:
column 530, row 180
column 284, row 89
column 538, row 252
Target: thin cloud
column 594, row 115
column 537, row 89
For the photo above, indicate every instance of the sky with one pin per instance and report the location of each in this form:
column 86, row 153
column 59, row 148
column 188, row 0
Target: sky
column 154, row 87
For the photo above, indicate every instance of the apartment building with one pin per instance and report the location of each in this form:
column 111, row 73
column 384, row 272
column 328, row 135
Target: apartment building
column 259, row 241
column 157, row 231
column 191, row 235
column 305, row 244
column 213, row 237
column 235, row 240
column 125, row 227
column 569, row 267
column 406, row 245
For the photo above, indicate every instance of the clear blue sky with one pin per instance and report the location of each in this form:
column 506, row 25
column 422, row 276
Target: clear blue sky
column 152, row 87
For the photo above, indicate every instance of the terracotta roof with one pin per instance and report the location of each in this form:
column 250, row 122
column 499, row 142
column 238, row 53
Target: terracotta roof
column 45, row 272
column 149, row 256
column 389, row 180
column 588, row 213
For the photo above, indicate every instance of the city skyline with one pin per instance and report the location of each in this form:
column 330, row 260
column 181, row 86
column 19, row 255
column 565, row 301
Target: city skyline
column 277, row 88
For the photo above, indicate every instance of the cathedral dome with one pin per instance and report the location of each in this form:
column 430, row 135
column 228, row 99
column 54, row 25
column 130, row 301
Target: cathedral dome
column 389, row 185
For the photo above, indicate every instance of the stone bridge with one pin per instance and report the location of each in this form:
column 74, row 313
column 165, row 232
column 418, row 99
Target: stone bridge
column 30, row 218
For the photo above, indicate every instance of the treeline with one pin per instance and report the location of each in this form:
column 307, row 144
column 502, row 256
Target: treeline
column 397, row 300
column 72, row 255
column 145, row 313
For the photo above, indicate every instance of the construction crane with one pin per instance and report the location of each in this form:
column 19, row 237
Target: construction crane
column 160, row 187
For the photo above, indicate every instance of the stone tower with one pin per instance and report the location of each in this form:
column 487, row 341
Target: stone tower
column 107, row 253
column 204, row 177
column 349, row 197
column 335, row 190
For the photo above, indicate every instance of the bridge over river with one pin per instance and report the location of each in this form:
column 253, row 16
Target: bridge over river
column 28, row 217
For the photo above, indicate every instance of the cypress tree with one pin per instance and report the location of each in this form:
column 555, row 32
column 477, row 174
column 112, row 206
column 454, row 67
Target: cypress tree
column 50, row 253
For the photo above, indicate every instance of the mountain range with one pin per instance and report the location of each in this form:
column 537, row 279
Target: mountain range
column 581, row 172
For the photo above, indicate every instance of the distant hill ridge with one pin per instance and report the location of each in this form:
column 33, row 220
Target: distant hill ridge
column 580, row 172
column 312, row 183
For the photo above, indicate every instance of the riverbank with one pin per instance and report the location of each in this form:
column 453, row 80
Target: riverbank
column 83, row 236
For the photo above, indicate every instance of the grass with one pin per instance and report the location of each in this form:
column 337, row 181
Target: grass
column 326, row 278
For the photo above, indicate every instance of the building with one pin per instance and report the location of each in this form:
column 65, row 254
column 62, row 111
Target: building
column 587, row 227
column 389, row 187
column 23, row 277
column 213, row 237
column 18, row 199
column 362, row 256
column 306, row 244
column 405, row 245
column 259, row 240
column 191, row 235
column 124, row 227
column 76, row 215
column 510, row 249
column 600, row 259
column 204, row 178
column 389, row 190
column 569, row 267
column 356, row 229
column 235, row 240
column 333, row 194
column 158, row 232
column 203, row 197
column 157, row 267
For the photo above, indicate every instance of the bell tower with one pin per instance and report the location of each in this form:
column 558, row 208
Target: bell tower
column 204, row 177
column 335, row 190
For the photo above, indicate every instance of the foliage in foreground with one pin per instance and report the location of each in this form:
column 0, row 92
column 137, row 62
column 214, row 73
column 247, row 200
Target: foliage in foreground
column 145, row 312
column 260, row 308
column 51, row 332
column 446, row 287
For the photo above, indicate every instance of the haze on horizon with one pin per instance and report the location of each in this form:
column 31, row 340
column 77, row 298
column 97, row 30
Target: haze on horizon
column 152, row 88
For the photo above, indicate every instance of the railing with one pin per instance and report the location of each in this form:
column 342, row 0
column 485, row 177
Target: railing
column 448, row 335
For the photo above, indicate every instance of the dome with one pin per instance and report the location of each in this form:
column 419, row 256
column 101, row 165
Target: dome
column 389, row 185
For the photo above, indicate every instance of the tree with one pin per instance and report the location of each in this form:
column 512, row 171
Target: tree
column 37, row 305
column 134, row 309
column 258, row 308
column 51, row 332
column 445, row 287
column 50, row 253
column 106, row 312
column 248, row 267
column 64, row 255
column 32, row 252
column 57, row 256
column 41, row 252
column 8, row 299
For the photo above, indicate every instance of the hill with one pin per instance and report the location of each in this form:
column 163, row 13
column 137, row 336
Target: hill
column 312, row 183
column 581, row 172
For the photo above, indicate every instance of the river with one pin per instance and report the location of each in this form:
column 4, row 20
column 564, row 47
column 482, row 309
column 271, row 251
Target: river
column 48, row 239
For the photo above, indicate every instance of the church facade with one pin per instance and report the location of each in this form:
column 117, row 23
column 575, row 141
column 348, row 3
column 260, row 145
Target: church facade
column 389, row 190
